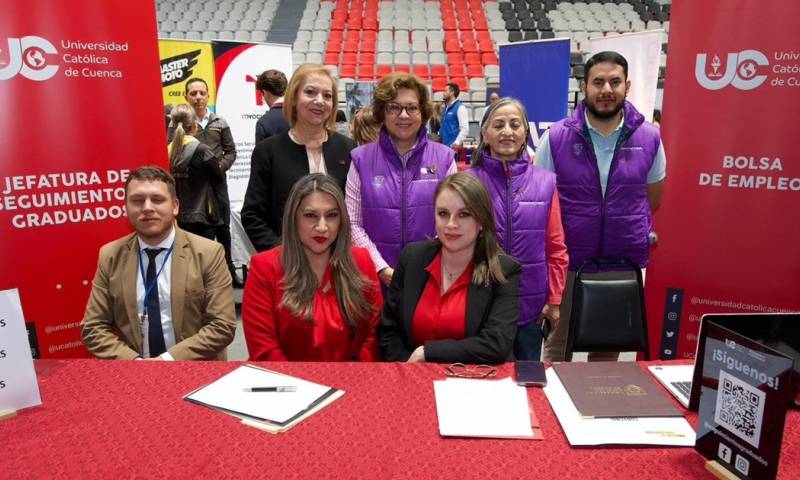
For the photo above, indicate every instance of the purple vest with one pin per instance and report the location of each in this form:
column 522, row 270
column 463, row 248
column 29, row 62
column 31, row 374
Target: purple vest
column 618, row 225
column 397, row 202
column 522, row 201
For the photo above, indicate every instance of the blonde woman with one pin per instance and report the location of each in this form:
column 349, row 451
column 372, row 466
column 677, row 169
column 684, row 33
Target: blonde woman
column 455, row 298
column 315, row 297
column 311, row 145
column 197, row 173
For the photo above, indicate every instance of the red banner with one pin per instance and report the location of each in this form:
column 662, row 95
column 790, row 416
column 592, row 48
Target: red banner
column 729, row 236
column 81, row 94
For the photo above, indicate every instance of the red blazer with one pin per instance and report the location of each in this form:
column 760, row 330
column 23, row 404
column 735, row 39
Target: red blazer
column 273, row 333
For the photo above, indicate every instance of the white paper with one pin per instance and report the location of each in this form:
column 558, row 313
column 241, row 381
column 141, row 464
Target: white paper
column 18, row 387
column 228, row 393
column 482, row 408
column 674, row 431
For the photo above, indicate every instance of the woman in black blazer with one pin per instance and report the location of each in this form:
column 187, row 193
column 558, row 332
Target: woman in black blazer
column 310, row 146
column 455, row 298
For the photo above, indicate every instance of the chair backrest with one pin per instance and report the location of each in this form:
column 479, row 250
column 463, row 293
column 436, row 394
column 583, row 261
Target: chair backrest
column 608, row 315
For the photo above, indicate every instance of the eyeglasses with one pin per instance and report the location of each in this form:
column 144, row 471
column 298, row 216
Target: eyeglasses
column 396, row 109
column 469, row 371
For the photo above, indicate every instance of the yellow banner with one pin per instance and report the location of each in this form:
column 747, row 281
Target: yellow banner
column 182, row 60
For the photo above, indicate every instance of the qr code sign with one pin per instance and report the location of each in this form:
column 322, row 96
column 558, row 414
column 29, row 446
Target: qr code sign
column 740, row 408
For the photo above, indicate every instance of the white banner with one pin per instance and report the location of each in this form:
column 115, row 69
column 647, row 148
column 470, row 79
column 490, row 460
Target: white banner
column 642, row 50
column 241, row 105
column 18, row 387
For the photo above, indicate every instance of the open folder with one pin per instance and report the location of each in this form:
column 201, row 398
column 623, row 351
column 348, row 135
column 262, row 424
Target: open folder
column 273, row 411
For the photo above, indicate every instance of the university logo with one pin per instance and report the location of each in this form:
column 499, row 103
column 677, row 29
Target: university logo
column 740, row 70
column 27, row 56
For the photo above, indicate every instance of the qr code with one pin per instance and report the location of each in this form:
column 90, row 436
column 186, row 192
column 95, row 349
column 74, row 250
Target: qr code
column 740, row 408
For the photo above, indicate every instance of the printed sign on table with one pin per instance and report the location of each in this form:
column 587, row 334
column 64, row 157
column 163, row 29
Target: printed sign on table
column 18, row 387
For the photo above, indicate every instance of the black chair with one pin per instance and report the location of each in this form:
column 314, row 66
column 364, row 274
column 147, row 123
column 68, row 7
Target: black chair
column 529, row 24
column 525, row 14
column 577, row 70
column 544, row 24
column 531, row 35
column 547, row 34
column 514, row 36
column 509, row 15
column 608, row 315
column 505, row 6
column 512, row 24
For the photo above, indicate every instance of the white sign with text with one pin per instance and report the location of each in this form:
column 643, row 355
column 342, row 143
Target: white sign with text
column 18, row 386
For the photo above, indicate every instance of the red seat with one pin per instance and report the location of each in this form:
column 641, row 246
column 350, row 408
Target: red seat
column 455, row 58
column 452, row 46
column 469, row 46
column 366, row 72
column 485, row 46
column 439, row 70
column 449, row 23
column 350, row 47
column 422, row 71
column 489, row 59
column 383, row 70
column 337, row 24
column 402, row 68
column 472, row 58
column 457, row 70
column 334, row 47
column 461, row 82
column 367, row 57
column 439, row 84
column 481, row 25
column 474, row 71
column 347, row 71
column 349, row 58
column 370, row 24
column 331, row 58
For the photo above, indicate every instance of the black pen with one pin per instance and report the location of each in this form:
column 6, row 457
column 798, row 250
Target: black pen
column 271, row 389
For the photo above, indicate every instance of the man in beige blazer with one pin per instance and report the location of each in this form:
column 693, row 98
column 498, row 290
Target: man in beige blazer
column 185, row 311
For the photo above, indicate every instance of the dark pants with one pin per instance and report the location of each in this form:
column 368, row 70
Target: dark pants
column 223, row 234
column 199, row 229
column 528, row 342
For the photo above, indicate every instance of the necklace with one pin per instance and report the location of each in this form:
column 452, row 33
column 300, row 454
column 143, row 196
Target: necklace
column 451, row 276
column 315, row 143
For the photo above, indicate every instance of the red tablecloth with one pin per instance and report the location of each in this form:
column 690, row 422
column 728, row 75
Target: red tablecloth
column 127, row 419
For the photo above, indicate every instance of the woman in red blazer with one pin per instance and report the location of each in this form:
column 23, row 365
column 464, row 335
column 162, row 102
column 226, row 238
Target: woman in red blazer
column 314, row 297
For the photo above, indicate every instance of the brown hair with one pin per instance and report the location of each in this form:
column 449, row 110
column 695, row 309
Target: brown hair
column 299, row 280
column 387, row 92
column 152, row 173
column 183, row 118
column 482, row 148
column 486, row 258
column 365, row 128
column 293, row 90
column 273, row 81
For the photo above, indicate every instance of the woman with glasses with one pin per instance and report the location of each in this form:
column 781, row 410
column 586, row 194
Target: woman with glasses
column 528, row 219
column 313, row 298
column 391, row 181
column 310, row 146
column 455, row 298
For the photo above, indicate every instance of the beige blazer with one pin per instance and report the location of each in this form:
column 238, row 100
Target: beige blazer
column 203, row 314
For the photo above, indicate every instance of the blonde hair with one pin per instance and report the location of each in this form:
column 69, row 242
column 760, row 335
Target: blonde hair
column 365, row 128
column 183, row 118
column 299, row 78
column 486, row 258
column 300, row 283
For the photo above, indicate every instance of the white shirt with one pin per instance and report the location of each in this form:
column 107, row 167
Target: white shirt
column 312, row 165
column 204, row 121
column 463, row 125
column 164, row 293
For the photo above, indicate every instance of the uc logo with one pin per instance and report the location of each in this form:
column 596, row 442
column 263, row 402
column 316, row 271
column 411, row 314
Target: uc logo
column 740, row 70
column 27, row 57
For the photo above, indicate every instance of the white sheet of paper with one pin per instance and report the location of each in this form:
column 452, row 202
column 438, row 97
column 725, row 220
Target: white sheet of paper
column 228, row 393
column 482, row 408
column 18, row 386
column 674, row 431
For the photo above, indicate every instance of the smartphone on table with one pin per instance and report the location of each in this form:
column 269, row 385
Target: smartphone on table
column 530, row 373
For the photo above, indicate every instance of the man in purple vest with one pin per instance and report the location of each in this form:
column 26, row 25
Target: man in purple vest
column 610, row 168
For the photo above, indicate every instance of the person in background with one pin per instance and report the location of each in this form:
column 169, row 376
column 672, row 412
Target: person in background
column 197, row 173
column 159, row 293
column 455, row 298
column 657, row 118
column 364, row 127
column 272, row 85
column 493, row 97
column 391, row 182
column 528, row 219
column 313, row 298
column 311, row 145
column 610, row 169
column 341, row 124
column 215, row 132
column 455, row 119
column 435, row 123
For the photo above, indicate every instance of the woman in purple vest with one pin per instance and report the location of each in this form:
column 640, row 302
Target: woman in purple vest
column 391, row 182
column 528, row 219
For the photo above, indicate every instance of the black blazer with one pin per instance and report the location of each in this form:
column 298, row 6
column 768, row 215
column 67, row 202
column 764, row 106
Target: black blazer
column 277, row 163
column 491, row 316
